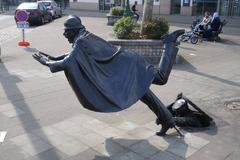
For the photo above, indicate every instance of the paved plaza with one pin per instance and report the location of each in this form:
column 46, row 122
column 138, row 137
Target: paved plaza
column 43, row 119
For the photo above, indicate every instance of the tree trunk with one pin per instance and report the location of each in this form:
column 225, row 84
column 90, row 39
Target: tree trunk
column 147, row 12
column 123, row 3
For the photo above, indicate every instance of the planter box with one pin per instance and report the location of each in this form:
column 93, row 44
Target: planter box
column 151, row 50
column 111, row 19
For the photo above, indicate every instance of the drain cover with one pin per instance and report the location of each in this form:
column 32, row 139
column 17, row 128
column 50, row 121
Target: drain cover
column 234, row 105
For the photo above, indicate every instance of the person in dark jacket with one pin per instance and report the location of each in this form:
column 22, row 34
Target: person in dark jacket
column 134, row 10
column 109, row 79
column 214, row 26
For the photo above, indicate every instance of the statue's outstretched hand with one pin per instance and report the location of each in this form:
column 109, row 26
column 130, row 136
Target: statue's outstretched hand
column 42, row 59
column 46, row 55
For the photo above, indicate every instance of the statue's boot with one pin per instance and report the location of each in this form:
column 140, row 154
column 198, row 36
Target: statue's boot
column 172, row 37
column 165, row 117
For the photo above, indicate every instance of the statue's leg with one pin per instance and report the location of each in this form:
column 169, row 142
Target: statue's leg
column 165, row 65
column 163, row 115
column 168, row 57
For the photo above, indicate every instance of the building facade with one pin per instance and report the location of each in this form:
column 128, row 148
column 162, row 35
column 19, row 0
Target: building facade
column 181, row 7
column 62, row 3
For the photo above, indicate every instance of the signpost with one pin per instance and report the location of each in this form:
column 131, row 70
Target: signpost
column 22, row 17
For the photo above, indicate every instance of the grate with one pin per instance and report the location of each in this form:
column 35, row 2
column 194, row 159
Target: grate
column 233, row 105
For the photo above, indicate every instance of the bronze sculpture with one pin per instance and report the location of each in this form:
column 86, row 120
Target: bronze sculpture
column 109, row 79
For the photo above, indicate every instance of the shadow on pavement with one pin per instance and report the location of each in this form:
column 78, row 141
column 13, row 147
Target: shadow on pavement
column 30, row 49
column 211, row 130
column 188, row 67
column 229, row 42
column 144, row 148
column 9, row 82
column 187, row 48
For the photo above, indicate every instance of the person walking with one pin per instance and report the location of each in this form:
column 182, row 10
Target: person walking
column 134, row 10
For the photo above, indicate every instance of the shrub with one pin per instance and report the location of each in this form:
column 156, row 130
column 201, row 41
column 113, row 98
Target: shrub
column 123, row 27
column 155, row 28
column 117, row 11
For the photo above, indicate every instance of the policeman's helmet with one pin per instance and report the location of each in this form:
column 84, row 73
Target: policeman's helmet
column 73, row 22
column 180, row 107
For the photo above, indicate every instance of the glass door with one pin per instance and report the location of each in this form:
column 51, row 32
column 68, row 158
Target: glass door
column 105, row 5
column 231, row 7
column 175, row 6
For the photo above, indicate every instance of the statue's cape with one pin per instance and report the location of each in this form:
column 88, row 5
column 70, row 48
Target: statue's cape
column 105, row 78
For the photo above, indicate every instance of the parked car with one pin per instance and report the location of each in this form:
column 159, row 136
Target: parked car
column 52, row 7
column 37, row 12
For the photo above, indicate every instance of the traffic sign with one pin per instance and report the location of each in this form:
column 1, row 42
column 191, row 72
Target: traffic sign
column 22, row 15
column 22, row 24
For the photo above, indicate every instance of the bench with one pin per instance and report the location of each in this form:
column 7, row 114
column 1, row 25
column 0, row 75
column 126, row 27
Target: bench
column 215, row 34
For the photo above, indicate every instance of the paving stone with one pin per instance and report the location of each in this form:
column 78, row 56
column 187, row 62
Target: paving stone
column 53, row 136
column 82, row 118
column 152, row 125
column 144, row 148
column 77, row 131
column 180, row 149
column 141, row 132
column 88, row 154
column 164, row 156
column 138, row 117
column 25, row 139
column 72, row 147
column 95, row 125
column 6, row 107
column 109, row 132
column 216, row 150
column 13, row 154
column 127, row 155
column 10, row 151
column 52, row 154
column 13, row 113
column 31, row 144
column 36, row 147
column 109, row 148
column 127, row 126
column 46, row 131
column 126, row 140
column 110, row 118
column 64, row 125
column 160, row 142
column 92, row 139
column 194, row 141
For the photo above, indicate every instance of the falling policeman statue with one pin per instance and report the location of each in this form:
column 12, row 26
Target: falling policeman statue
column 110, row 79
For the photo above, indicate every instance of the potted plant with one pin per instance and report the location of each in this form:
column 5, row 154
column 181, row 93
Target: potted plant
column 144, row 41
column 114, row 14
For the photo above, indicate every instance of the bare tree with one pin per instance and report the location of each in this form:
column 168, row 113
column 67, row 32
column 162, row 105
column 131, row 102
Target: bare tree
column 123, row 3
column 147, row 12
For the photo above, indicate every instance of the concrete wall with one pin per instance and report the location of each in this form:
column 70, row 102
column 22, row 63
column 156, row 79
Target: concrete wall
column 165, row 7
column 92, row 5
column 84, row 6
column 186, row 11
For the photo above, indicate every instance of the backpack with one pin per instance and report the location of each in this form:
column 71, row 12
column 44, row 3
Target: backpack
column 188, row 114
